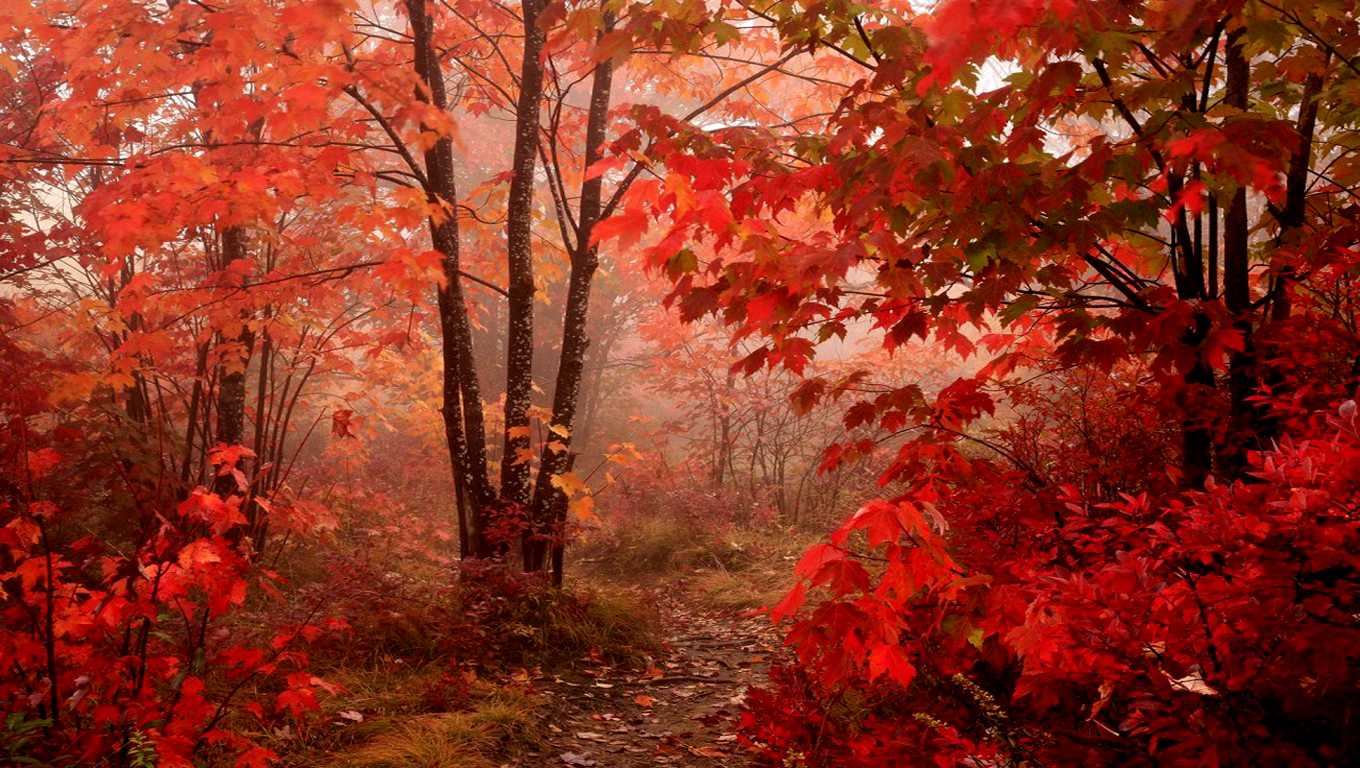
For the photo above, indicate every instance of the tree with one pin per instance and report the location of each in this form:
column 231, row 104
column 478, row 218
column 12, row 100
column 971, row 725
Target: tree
column 1150, row 192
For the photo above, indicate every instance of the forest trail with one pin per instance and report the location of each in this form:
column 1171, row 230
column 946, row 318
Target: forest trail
column 682, row 711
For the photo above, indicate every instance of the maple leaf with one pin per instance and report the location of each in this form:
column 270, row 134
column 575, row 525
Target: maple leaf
column 888, row 659
column 570, row 484
column 221, row 514
column 199, row 552
column 342, row 423
column 583, row 507
column 256, row 757
column 603, row 166
column 627, row 227
column 223, row 455
column 790, row 604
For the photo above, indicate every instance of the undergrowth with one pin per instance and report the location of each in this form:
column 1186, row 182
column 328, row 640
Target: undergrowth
column 722, row 567
column 441, row 671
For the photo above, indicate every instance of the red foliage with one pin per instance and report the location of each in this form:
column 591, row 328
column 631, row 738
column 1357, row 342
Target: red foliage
column 1128, row 535
column 1215, row 627
column 112, row 651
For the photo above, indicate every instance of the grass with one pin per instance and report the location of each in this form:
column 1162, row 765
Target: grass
column 724, row 590
column 661, row 545
column 732, row 569
column 499, row 721
column 403, row 705
column 616, row 624
column 449, row 740
column 502, row 721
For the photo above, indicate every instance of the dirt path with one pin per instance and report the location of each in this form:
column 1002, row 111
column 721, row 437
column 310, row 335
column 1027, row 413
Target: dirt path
column 680, row 712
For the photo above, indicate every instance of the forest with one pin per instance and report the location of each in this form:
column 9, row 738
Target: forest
column 624, row 383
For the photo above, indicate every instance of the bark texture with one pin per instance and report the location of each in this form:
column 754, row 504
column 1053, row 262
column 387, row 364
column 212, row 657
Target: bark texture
column 1236, row 285
column 548, row 513
column 515, row 469
column 464, row 427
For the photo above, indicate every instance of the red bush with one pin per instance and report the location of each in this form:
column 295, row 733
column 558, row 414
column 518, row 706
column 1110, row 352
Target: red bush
column 1214, row 627
column 120, row 652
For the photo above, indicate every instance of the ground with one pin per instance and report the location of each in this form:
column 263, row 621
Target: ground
column 679, row 711
column 644, row 661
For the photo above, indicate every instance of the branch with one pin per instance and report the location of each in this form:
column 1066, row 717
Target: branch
column 637, row 168
column 392, row 134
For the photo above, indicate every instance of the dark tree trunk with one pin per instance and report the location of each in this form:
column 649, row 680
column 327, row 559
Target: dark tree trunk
column 1237, row 287
column 191, row 421
column 519, row 355
column 462, row 408
column 1291, row 220
column 231, row 388
column 1197, row 433
column 548, row 514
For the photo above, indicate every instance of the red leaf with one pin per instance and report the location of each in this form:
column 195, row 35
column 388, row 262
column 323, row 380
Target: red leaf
column 891, row 660
column 791, row 603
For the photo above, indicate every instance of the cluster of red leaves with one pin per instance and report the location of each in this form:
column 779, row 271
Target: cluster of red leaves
column 1058, row 591
column 1211, row 628
column 111, row 655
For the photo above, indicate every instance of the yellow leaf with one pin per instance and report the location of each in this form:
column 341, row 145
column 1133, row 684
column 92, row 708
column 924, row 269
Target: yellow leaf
column 559, row 430
column 569, row 483
column 583, row 507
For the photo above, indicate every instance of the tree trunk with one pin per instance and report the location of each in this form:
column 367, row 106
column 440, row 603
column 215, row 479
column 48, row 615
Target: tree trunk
column 191, row 420
column 231, row 390
column 1291, row 220
column 548, row 514
column 519, row 355
column 464, row 428
column 1237, row 287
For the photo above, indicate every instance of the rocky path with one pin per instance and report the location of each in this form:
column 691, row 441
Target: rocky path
column 681, row 711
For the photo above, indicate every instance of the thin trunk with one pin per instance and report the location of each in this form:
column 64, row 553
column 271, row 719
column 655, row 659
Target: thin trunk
column 1236, row 285
column 462, row 408
column 231, row 390
column 519, row 355
column 191, row 423
column 559, row 542
column 253, row 511
column 1197, row 433
column 548, row 513
column 1291, row 219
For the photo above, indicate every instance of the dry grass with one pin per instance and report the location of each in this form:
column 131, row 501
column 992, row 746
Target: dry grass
column 448, row 740
column 725, row 590
column 658, row 546
column 500, row 721
column 735, row 569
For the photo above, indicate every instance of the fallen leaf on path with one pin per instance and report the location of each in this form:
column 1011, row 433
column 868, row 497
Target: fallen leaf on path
column 572, row 758
column 643, row 700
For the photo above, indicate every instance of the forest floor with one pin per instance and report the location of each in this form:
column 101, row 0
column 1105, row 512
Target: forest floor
column 681, row 710
column 664, row 637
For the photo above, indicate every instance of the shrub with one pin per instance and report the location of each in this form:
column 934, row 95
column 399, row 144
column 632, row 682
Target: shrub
column 1042, row 626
